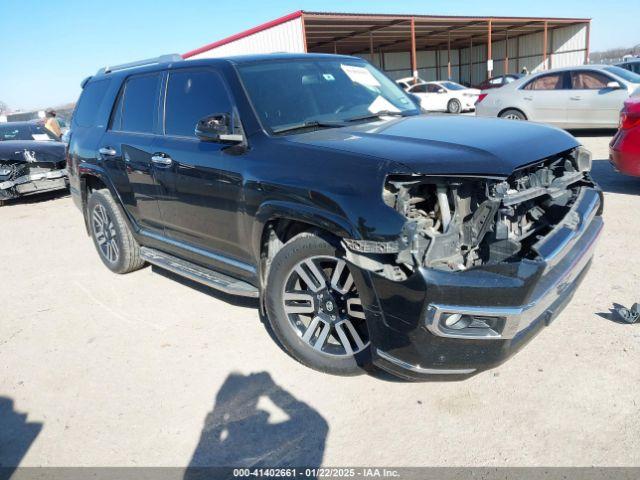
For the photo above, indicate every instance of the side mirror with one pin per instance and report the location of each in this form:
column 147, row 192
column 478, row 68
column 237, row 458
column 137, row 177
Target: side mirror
column 217, row 128
column 614, row 85
column 442, row 90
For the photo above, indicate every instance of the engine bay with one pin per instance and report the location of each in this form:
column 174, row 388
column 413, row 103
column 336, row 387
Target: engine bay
column 455, row 224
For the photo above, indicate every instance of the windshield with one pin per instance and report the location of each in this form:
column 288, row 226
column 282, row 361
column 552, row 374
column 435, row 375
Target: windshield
column 623, row 73
column 288, row 93
column 24, row 131
column 452, row 86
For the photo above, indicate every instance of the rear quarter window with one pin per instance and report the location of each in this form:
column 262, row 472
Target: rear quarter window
column 90, row 103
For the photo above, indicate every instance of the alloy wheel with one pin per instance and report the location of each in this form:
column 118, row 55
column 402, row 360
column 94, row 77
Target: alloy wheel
column 322, row 304
column 105, row 234
column 511, row 116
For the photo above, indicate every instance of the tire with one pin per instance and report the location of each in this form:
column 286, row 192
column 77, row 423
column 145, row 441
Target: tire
column 454, row 106
column 513, row 114
column 111, row 236
column 321, row 327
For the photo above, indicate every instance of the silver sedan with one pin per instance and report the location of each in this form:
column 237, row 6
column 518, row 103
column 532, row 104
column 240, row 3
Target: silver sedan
column 590, row 96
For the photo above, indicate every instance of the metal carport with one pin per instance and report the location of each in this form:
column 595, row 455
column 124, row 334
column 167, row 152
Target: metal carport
column 466, row 49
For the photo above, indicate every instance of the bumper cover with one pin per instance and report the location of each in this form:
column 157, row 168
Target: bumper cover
column 33, row 183
column 409, row 338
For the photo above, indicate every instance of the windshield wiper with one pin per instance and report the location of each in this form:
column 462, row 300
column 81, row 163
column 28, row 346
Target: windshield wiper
column 308, row 124
column 381, row 113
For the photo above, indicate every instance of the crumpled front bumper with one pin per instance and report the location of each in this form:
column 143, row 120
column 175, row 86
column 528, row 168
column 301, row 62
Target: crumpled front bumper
column 405, row 318
column 34, row 183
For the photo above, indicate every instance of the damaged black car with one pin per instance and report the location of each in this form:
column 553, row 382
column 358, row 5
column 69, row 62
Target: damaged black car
column 32, row 160
column 372, row 234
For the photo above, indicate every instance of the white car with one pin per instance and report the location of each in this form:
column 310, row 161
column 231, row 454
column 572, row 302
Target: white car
column 445, row 96
column 587, row 96
column 408, row 82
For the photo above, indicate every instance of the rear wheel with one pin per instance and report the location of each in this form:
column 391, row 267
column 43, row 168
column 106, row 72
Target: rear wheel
column 314, row 308
column 111, row 236
column 513, row 114
column 454, row 106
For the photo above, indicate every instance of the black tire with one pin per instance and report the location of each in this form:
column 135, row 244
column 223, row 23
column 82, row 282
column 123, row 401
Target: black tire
column 513, row 114
column 303, row 247
column 127, row 258
column 454, row 106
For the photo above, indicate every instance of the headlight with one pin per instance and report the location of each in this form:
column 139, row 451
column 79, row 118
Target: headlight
column 369, row 246
column 583, row 159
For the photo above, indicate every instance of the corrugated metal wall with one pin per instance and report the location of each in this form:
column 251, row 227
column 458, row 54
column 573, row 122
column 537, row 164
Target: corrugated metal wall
column 566, row 47
column 286, row 37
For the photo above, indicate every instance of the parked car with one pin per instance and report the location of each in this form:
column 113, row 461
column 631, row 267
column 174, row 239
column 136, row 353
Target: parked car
column 590, row 96
column 631, row 64
column 408, row 82
column 371, row 234
column 624, row 149
column 32, row 160
column 445, row 96
column 499, row 81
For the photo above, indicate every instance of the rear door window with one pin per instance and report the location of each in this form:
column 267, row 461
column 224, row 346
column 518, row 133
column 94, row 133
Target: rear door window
column 192, row 95
column 137, row 107
column 90, row 103
column 552, row 81
column 419, row 89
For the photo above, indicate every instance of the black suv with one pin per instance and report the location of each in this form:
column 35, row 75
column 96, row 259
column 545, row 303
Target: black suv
column 372, row 234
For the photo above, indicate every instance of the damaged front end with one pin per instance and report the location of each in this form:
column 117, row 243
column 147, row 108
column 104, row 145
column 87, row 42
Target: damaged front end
column 25, row 171
column 481, row 264
column 456, row 224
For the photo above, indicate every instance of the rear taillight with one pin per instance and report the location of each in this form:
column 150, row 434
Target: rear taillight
column 481, row 97
column 629, row 120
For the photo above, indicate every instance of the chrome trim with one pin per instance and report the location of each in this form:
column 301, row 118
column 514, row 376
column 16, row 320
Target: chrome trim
column 199, row 251
column 516, row 319
column 419, row 369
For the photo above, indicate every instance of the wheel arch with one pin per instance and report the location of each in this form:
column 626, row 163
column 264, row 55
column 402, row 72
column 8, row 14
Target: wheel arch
column 517, row 109
column 277, row 222
column 93, row 178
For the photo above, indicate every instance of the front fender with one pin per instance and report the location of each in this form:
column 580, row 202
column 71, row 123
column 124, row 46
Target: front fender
column 317, row 217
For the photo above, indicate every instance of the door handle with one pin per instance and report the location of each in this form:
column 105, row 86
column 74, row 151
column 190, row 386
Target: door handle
column 107, row 151
column 161, row 159
column 575, row 98
column 528, row 98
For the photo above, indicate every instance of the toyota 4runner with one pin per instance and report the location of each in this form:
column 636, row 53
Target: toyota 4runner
column 372, row 234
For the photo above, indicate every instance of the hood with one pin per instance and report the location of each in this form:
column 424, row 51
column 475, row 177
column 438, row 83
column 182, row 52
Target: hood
column 47, row 152
column 446, row 145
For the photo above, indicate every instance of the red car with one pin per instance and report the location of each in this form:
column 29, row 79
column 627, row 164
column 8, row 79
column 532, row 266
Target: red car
column 624, row 149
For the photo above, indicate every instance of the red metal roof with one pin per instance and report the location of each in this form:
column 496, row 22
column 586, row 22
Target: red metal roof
column 246, row 33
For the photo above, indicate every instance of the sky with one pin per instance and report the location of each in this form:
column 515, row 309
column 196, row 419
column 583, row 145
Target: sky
column 48, row 47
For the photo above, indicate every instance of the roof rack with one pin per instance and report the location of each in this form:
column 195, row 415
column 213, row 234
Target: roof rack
column 172, row 57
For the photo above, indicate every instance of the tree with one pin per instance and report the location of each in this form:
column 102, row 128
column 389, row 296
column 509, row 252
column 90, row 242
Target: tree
column 3, row 107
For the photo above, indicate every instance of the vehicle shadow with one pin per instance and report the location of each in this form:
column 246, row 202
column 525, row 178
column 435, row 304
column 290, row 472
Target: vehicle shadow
column 612, row 181
column 256, row 423
column 36, row 198
column 16, row 436
column 234, row 300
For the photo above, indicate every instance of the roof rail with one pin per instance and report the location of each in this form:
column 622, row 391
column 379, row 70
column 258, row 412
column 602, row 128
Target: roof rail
column 172, row 57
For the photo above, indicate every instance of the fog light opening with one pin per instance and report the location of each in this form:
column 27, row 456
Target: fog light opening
column 457, row 321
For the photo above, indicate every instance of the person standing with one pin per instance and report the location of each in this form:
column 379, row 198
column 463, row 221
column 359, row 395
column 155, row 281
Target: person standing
column 51, row 123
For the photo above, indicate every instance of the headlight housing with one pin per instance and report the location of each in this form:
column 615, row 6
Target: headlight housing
column 583, row 159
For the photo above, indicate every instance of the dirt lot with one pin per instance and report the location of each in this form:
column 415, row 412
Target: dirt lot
column 146, row 370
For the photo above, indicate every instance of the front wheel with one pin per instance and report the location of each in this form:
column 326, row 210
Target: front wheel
column 314, row 308
column 454, row 106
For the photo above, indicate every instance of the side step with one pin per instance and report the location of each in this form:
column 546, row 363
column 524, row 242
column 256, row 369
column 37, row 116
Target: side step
column 199, row 274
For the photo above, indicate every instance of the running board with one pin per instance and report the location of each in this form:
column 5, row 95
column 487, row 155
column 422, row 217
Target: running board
column 205, row 276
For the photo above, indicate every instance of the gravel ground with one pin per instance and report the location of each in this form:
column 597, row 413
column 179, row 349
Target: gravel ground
column 104, row 370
